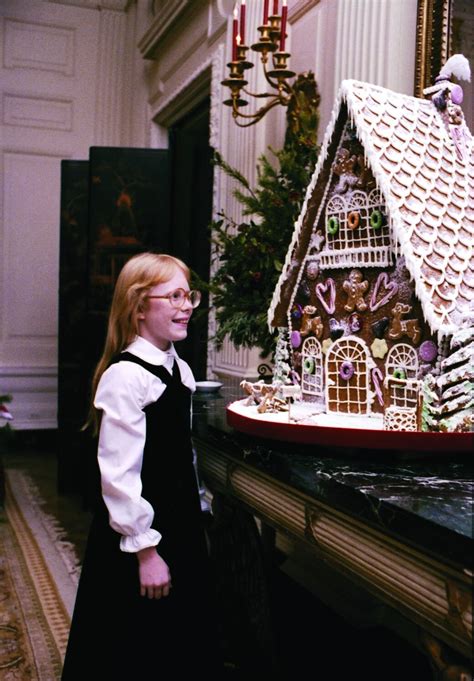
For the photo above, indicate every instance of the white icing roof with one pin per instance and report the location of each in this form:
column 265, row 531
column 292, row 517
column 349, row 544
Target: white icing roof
column 428, row 185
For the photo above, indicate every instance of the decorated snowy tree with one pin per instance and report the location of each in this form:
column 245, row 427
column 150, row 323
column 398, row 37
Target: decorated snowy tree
column 448, row 399
column 282, row 367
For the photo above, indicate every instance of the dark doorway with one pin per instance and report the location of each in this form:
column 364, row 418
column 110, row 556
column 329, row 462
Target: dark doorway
column 191, row 211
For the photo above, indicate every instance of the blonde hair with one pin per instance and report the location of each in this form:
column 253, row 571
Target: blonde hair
column 138, row 276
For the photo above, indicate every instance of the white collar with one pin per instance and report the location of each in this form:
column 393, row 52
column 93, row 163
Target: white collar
column 150, row 353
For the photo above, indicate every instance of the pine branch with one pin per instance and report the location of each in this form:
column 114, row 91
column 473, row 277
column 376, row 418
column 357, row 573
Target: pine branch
column 231, row 172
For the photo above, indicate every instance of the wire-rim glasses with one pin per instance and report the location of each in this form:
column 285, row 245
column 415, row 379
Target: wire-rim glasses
column 179, row 296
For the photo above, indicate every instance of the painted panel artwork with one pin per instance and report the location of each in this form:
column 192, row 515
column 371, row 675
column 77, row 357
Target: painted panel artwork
column 129, row 213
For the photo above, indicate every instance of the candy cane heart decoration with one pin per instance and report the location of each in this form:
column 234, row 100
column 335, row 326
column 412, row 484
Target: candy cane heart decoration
column 326, row 294
column 386, row 287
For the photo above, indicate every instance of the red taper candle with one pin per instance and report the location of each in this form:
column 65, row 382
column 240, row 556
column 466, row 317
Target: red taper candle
column 265, row 12
column 275, row 8
column 242, row 22
column 235, row 30
column 284, row 15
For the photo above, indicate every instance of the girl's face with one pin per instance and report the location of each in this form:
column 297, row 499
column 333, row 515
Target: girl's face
column 160, row 323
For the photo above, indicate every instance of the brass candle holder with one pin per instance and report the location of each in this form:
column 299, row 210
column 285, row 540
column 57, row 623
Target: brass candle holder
column 241, row 57
column 235, row 82
column 275, row 27
column 280, row 69
column 269, row 42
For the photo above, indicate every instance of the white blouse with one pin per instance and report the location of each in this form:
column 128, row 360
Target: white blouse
column 124, row 389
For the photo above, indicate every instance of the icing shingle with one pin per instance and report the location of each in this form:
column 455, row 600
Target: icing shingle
column 425, row 173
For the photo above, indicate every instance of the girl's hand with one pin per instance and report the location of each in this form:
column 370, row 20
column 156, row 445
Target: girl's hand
column 155, row 578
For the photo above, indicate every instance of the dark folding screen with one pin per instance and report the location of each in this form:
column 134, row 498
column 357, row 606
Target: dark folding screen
column 113, row 206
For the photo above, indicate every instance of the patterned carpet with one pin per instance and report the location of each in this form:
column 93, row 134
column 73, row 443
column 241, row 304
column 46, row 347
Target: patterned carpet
column 38, row 580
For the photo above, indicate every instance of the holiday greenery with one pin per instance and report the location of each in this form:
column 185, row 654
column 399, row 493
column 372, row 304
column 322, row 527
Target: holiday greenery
column 251, row 254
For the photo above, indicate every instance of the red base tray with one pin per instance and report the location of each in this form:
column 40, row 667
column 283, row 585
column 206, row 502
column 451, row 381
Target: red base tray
column 363, row 438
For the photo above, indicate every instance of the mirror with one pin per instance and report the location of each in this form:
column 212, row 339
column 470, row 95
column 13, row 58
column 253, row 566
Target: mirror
column 444, row 27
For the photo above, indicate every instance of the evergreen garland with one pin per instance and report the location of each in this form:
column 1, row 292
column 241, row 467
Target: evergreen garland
column 251, row 254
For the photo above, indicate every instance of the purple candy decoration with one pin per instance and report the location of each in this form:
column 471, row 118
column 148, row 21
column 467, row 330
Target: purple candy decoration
column 346, row 371
column 428, row 351
column 355, row 322
column 457, row 94
column 297, row 311
column 295, row 339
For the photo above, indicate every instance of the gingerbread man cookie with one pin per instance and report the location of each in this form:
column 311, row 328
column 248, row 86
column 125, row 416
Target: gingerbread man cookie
column 355, row 288
column 344, row 167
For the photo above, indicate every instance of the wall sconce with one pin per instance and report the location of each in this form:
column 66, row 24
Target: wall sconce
column 272, row 41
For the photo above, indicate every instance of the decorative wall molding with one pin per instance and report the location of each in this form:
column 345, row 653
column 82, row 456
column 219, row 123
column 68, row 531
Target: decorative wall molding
column 168, row 15
column 117, row 5
column 217, row 75
column 373, row 27
column 110, row 69
column 300, row 8
column 219, row 11
column 354, row 59
column 34, row 393
column 183, row 58
column 26, row 291
column 237, row 361
column 215, row 138
column 37, row 112
column 184, row 96
column 225, row 7
column 43, row 47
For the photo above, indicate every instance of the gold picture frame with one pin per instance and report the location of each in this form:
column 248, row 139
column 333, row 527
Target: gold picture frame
column 433, row 38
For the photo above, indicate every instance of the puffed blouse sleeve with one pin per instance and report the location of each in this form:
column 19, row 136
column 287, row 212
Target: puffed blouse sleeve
column 122, row 393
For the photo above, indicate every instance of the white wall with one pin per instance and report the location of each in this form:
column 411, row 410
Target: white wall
column 77, row 73
column 62, row 90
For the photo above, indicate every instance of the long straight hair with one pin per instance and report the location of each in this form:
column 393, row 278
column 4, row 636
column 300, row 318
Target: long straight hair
column 138, row 276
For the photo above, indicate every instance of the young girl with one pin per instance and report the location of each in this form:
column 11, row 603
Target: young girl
column 143, row 607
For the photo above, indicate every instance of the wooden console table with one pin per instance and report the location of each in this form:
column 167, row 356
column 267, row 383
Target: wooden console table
column 393, row 525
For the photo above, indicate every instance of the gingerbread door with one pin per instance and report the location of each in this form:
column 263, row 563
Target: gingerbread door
column 312, row 368
column 347, row 376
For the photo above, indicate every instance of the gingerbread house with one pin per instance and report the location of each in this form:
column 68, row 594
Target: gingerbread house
column 375, row 296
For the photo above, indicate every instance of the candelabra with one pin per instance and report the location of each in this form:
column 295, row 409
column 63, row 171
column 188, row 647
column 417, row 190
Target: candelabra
column 272, row 42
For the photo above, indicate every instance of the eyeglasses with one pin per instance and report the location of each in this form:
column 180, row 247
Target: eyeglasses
column 178, row 297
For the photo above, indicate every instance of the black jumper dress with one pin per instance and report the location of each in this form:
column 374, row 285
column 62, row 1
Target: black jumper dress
column 116, row 633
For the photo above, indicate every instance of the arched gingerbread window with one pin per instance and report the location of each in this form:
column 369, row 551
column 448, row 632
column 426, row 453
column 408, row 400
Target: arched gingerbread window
column 312, row 368
column 401, row 370
column 357, row 232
